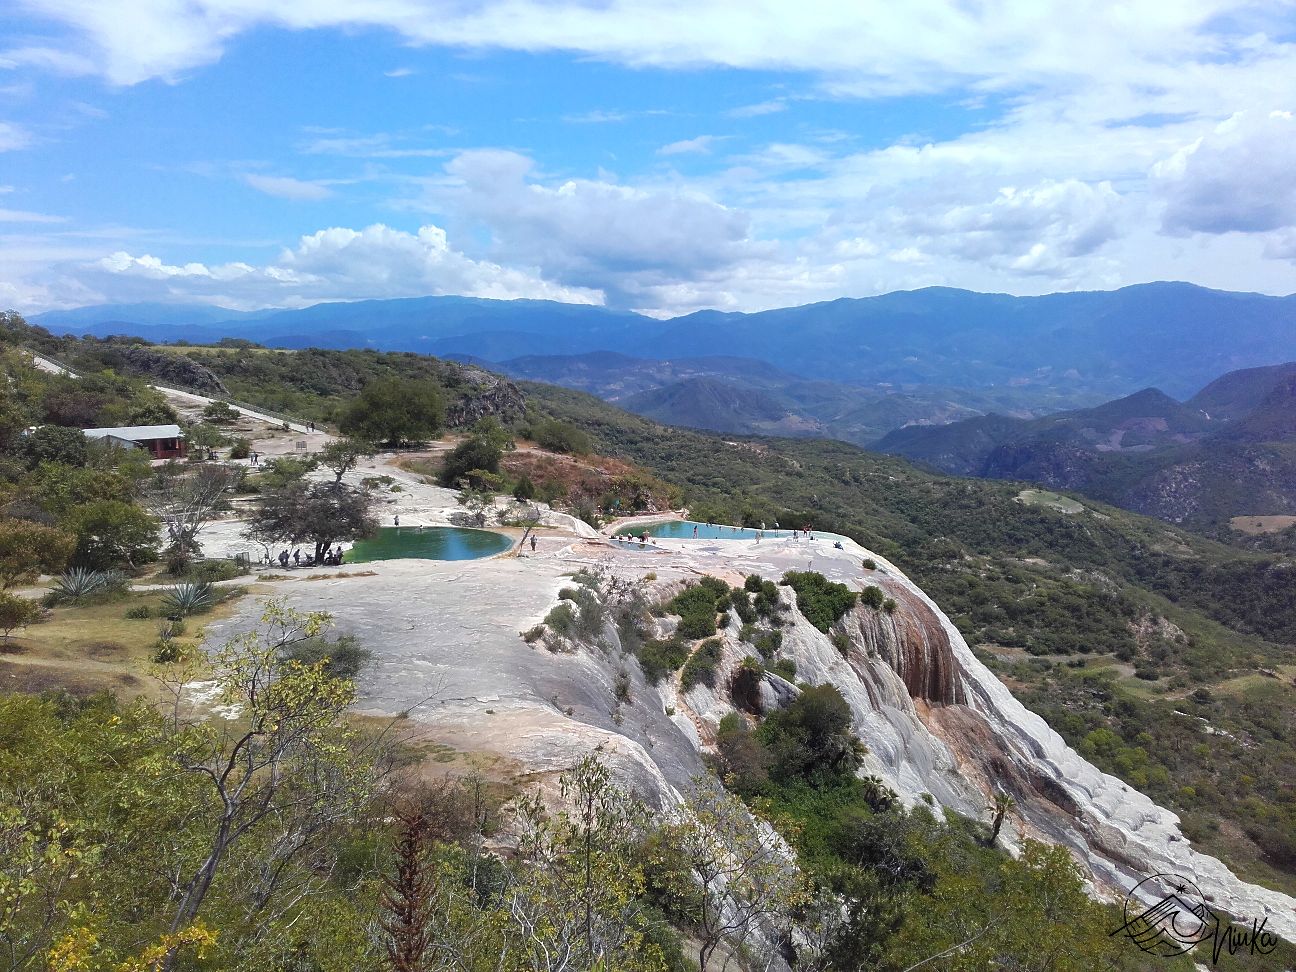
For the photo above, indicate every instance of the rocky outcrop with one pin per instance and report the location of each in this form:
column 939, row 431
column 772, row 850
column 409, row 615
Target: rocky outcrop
column 172, row 369
column 484, row 394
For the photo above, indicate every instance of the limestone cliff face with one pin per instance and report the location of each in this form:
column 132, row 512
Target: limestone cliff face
column 940, row 726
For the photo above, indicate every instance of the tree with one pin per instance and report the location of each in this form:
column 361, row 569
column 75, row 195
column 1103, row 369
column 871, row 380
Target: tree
column 1002, row 806
column 395, row 410
column 343, row 455
column 202, row 437
column 472, row 459
column 222, row 413
column 52, row 443
column 186, row 501
column 111, row 533
column 320, row 513
column 728, row 874
column 525, row 489
column 17, row 612
column 29, row 549
column 291, row 763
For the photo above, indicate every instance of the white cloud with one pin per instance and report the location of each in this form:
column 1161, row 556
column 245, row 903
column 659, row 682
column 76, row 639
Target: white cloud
column 600, row 234
column 22, row 216
column 13, row 137
column 771, row 107
column 400, row 72
column 286, row 187
column 701, row 145
column 331, row 264
column 1239, row 177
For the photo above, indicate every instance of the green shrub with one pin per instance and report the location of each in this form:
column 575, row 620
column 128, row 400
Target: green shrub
column 872, row 597
column 700, row 669
column 240, row 448
column 533, row 634
column 659, row 658
column 139, row 613
column 165, row 651
column 785, row 668
column 840, row 642
column 870, row 563
column 561, row 437
column 561, row 620
column 214, row 570
column 525, row 489
column 769, row 643
column 698, row 605
column 822, row 601
column 345, row 656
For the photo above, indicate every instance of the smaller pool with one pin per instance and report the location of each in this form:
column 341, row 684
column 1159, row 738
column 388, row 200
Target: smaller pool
column 428, row 543
column 683, row 530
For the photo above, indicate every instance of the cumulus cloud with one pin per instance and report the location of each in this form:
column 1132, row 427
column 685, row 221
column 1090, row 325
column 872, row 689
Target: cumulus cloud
column 596, row 233
column 332, row 264
column 1032, row 230
column 1241, row 177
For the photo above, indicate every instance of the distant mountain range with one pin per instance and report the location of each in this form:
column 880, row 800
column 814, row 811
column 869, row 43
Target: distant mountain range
column 1053, row 351
column 1229, row 450
column 744, row 396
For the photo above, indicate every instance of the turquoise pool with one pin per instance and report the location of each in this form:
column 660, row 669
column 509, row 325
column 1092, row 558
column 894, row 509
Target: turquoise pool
column 683, row 530
column 429, row 543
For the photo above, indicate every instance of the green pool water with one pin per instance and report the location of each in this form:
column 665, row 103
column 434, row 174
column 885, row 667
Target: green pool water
column 683, row 530
column 430, row 543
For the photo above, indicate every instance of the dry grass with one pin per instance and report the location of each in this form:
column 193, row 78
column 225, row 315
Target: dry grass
column 1255, row 525
column 90, row 648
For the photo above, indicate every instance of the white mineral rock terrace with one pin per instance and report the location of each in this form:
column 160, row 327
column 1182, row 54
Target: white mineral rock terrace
column 937, row 723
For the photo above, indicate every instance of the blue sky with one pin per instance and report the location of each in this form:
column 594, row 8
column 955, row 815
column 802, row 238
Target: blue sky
column 648, row 154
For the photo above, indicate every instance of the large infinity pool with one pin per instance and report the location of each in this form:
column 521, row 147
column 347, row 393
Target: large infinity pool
column 429, row 543
column 683, row 530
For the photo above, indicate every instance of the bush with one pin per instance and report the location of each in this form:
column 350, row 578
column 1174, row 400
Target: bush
column 17, row 612
column 525, row 489
column 215, row 570
column 870, row 563
column 240, row 448
column 166, row 652
column 533, row 634
column 561, row 437
column 345, row 656
column 698, row 606
column 822, row 601
column 769, row 643
column 872, row 597
column 785, row 668
column 700, row 669
column 561, row 620
column 659, row 658
column 621, row 687
column 140, row 612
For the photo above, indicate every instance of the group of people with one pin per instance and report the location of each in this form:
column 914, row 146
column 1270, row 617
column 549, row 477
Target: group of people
column 331, row 557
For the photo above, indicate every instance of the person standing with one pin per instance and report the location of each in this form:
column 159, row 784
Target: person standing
column 533, row 543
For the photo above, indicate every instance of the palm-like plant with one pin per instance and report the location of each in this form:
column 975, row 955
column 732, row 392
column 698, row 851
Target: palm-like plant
column 74, row 584
column 185, row 599
column 1003, row 805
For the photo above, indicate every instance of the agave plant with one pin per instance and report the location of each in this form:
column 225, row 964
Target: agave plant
column 186, row 599
column 77, row 583
column 113, row 580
